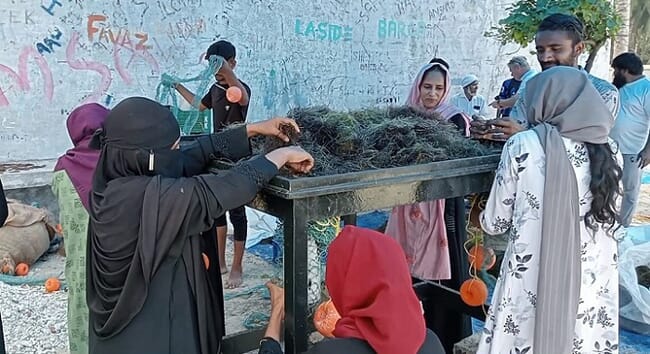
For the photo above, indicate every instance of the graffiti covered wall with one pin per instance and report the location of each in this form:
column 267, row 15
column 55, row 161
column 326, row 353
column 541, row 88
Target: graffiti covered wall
column 345, row 54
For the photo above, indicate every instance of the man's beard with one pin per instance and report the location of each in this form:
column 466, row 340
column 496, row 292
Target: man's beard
column 550, row 64
column 619, row 81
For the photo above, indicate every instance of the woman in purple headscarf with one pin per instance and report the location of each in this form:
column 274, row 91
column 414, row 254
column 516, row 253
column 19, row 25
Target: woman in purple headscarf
column 432, row 233
column 72, row 184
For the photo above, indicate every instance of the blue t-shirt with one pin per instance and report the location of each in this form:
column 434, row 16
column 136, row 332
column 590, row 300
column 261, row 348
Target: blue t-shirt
column 508, row 89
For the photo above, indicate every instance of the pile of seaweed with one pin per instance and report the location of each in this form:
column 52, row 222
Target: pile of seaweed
column 368, row 139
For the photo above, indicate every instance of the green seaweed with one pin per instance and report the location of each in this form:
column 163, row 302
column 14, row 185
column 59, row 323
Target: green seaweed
column 374, row 138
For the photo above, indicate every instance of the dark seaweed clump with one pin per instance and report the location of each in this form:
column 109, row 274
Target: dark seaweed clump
column 367, row 139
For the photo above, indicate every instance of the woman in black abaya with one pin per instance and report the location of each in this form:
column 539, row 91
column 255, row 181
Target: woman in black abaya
column 148, row 288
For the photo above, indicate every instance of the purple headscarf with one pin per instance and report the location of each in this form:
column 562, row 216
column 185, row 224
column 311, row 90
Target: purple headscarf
column 444, row 108
column 80, row 161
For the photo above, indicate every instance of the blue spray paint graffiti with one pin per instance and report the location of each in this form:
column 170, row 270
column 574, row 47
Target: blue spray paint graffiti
column 323, row 31
column 50, row 9
column 270, row 90
column 282, row 92
column 48, row 43
column 392, row 29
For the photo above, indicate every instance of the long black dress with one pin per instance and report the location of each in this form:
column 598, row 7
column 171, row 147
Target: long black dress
column 451, row 326
column 168, row 302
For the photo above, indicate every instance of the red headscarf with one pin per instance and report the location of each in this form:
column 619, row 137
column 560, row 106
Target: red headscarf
column 369, row 282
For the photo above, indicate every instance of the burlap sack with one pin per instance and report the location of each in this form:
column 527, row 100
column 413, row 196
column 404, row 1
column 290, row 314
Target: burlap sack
column 25, row 236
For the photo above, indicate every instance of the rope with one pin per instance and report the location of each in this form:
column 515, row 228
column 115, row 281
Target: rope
column 27, row 280
column 165, row 91
column 250, row 291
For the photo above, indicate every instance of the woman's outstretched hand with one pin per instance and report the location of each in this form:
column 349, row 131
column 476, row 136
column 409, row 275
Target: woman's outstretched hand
column 271, row 127
column 292, row 157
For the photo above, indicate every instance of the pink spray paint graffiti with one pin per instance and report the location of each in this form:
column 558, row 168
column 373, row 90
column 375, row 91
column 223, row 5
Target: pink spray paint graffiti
column 21, row 78
column 76, row 64
column 142, row 54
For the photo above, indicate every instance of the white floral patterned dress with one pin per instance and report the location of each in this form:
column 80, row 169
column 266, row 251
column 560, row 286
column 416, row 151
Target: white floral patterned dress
column 515, row 206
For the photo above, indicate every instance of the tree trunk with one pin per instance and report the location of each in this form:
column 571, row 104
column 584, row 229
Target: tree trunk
column 592, row 55
column 621, row 42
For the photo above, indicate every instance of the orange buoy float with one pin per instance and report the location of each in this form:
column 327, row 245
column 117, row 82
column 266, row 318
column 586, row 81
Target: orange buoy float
column 52, row 284
column 21, row 269
column 233, row 94
column 474, row 292
column 481, row 257
column 325, row 318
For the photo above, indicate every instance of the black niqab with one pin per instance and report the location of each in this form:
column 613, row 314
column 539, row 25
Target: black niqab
column 126, row 249
column 148, row 289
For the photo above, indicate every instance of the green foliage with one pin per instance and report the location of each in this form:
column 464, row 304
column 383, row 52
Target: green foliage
column 599, row 17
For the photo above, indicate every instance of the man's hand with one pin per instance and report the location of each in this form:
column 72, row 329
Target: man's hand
column 644, row 157
column 271, row 127
column 495, row 129
column 495, row 104
column 507, row 127
column 168, row 80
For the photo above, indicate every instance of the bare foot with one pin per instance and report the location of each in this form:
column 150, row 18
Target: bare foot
column 235, row 279
column 277, row 297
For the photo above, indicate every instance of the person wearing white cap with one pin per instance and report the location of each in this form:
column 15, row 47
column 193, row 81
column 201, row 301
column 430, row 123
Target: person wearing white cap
column 469, row 101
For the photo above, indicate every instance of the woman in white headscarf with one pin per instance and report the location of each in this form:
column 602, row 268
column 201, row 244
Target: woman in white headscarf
column 555, row 193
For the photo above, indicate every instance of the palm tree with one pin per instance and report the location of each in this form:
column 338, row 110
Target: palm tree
column 640, row 14
column 621, row 42
column 640, row 28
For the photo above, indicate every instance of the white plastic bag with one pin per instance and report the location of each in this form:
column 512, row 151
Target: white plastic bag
column 634, row 251
column 260, row 226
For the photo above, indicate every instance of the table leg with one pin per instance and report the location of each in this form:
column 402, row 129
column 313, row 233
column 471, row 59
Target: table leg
column 295, row 279
column 349, row 219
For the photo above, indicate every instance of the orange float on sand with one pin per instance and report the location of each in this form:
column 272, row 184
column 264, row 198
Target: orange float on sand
column 21, row 269
column 52, row 284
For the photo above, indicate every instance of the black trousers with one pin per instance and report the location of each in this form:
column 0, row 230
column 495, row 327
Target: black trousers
column 450, row 326
column 238, row 221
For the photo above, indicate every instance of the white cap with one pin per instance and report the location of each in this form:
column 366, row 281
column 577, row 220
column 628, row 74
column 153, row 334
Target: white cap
column 468, row 80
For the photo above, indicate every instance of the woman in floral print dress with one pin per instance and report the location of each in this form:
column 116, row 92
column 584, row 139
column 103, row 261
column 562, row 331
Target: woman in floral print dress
column 562, row 100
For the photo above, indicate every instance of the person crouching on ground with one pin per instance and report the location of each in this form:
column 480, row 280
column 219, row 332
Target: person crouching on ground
column 370, row 285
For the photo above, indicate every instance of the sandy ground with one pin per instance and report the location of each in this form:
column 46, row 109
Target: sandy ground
column 35, row 322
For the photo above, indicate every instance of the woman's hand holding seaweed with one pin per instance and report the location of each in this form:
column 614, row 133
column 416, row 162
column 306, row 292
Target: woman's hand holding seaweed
column 496, row 129
column 292, row 157
column 272, row 127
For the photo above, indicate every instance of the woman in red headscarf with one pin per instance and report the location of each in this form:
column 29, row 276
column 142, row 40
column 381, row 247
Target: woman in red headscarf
column 370, row 285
